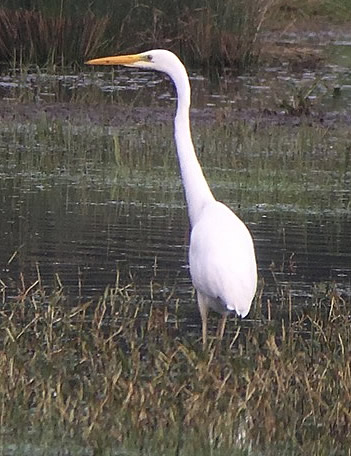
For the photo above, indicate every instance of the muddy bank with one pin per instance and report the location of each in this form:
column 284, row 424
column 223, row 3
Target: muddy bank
column 120, row 115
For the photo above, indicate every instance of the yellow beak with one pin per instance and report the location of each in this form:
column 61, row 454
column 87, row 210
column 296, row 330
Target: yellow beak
column 117, row 60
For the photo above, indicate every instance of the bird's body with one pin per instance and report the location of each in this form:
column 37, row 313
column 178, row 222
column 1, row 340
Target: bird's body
column 214, row 256
column 221, row 254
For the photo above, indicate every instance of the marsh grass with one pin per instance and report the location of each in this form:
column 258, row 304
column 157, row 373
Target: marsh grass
column 31, row 36
column 337, row 11
column 209, row 33
column 304, row 167
column 123, row 373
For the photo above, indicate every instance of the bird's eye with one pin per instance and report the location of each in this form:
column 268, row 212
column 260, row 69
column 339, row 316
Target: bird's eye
column 149, row 57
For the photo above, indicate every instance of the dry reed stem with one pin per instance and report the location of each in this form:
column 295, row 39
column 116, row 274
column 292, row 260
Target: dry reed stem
column 31, row 36
column 105, row 367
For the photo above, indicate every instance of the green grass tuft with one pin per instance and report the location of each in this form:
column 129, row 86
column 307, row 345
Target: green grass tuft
column 124, row 373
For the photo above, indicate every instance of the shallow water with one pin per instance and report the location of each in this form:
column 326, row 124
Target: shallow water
column 87, row 221
column 81, row 204
column 85, row 217
column 326, row 82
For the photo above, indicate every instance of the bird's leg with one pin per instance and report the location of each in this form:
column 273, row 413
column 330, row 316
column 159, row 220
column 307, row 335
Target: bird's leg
column 204, row 330
column 201, row 300
column 221, row 326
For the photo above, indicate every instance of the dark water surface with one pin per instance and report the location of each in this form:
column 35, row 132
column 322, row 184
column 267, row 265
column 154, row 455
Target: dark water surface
column 325, row 80
column 85, row 219
column 85, row 229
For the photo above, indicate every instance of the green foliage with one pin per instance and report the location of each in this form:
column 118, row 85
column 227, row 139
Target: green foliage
column 122, row 373
column 216, row 33
column 30, row 36
column 301, row 167
column 332, row 10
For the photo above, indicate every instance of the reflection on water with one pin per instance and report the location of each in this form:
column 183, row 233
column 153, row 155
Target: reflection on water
column 331, row 81
column 78, row 221
column 86, row 240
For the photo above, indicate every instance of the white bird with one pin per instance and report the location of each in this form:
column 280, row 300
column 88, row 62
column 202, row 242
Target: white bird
column 221, row 254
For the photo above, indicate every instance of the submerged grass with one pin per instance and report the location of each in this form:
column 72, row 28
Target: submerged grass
column 123, row 374
column 305, row 166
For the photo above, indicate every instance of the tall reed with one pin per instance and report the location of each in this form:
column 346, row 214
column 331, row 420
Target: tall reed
column 207, row 33
column 30, row 36
column 123, row 372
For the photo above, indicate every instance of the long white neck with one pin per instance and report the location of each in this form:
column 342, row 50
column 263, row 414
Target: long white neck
column 197, row 191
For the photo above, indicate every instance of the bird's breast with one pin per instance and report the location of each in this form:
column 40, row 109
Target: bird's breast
column 222, row 259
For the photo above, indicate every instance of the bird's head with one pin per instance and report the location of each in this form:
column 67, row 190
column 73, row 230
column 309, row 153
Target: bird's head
column 157, row 59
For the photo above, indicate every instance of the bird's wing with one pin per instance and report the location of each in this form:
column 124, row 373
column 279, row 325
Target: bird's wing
column 222, row 259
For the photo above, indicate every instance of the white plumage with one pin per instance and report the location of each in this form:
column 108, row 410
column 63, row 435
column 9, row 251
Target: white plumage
column 214, row 257
column 221, row 255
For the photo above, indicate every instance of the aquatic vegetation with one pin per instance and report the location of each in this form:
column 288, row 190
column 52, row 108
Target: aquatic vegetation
column 213, row 33
column 274, row 162
column 314, row 10
column 208, row 33
column 124, row 373
column 28, row 36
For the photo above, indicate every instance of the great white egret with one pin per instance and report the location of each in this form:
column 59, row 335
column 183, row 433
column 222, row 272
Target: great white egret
column 221, row 254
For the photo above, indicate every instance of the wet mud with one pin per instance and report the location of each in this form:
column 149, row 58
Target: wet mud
column 122, row 116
